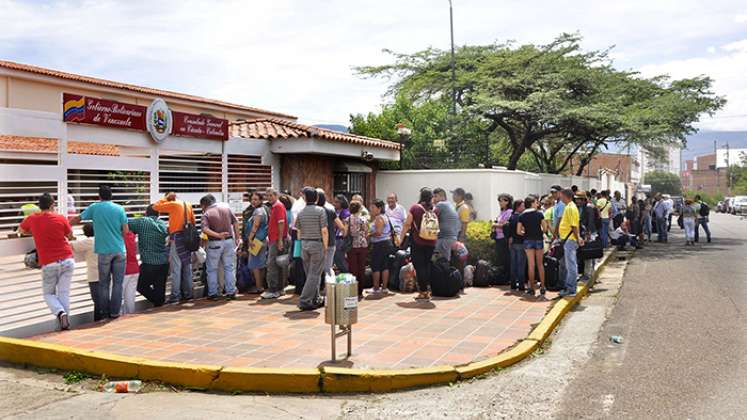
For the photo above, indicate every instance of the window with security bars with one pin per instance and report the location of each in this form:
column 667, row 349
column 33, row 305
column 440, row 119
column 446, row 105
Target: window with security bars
column 247, row 172
column 19, row 199
column 350, row 183
column 130, row 189
column 190, row 173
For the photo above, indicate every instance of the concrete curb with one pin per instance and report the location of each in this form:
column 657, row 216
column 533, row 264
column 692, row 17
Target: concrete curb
column 281, row 380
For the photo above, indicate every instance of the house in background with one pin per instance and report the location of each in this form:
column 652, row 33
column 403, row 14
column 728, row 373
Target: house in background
column 66, row 134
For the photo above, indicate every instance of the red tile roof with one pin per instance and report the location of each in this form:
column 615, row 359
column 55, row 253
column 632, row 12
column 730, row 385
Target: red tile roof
column 133, row 88
column 47, row 145
column 276, row 129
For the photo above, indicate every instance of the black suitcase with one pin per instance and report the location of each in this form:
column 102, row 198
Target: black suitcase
column 297, row 275
column 446, row 281
column 482, row 274
column 552, row 274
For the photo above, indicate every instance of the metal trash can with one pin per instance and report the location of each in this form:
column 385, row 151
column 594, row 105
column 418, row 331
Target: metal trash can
column 341, row 309
column 342, row 304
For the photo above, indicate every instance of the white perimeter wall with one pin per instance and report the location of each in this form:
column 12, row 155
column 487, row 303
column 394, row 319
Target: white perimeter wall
column 484, row 184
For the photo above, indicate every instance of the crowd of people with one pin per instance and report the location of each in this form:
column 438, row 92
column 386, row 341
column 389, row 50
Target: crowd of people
column 324, row 237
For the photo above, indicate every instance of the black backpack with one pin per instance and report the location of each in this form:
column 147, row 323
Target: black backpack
column 482, row 274
column 446, row 281
column 704, row 210
column 191, row 233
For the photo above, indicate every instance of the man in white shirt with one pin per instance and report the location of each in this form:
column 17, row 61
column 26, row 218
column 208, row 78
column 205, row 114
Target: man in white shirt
column 395, row 212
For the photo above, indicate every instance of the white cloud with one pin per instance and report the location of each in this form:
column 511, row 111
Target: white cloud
column 711, row 50
column 740, row 18
column 295, row 56
column 727, row 70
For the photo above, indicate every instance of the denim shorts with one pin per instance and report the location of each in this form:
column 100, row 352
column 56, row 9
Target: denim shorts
column 534, row 244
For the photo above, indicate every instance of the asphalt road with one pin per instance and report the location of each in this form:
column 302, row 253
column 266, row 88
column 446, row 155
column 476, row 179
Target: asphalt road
column 681, row 312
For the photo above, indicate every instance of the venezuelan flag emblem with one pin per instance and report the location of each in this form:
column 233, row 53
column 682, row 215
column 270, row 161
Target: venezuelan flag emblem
column 74, row 108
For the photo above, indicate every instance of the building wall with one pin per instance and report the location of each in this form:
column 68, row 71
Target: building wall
column 706, row 162
column 622, row 163
column 45, row 94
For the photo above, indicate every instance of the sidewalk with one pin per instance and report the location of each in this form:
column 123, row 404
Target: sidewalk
column 392, row 332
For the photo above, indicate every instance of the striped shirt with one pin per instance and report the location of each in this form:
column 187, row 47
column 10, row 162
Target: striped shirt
column 310, row 222
column 152, row 233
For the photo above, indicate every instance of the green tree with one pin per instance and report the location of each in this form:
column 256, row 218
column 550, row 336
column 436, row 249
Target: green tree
column 663, row 182
column 554, row 101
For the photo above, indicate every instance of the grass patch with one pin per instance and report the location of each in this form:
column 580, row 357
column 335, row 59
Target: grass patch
column 74, row 377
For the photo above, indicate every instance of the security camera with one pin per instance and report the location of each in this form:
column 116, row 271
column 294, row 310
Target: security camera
column 367, row 156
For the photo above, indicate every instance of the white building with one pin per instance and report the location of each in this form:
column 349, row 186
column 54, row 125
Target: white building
column 669, row 163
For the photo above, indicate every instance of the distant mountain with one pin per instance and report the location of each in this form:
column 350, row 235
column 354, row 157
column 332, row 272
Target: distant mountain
column 701, row 143
column 335, row 127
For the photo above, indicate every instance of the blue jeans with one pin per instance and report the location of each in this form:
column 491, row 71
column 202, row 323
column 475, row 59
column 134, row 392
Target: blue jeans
column 571, row 266
column 604, row 234
column 111, row 276
column 647, row 229
column 518, row 266
column 181, row 276
column 702, row 221
column 218, row 251
column 661, row 229
column 56, row 279
column 339, row 258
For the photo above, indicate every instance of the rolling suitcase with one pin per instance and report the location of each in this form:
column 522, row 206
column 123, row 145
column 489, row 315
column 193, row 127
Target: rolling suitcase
column 552, row 274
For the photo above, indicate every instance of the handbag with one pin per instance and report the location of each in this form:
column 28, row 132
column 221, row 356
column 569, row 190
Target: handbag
column 296, row 249
column 558, row 251
column 191, row 233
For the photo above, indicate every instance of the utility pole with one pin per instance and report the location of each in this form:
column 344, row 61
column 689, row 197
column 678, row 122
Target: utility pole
column 453, row 61
column 715, row 167
column 728, row 169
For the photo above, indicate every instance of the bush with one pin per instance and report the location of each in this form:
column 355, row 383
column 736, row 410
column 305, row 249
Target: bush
column 711, row 199
column 479, row 244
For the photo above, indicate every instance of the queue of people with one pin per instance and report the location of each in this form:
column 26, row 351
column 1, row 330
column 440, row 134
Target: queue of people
column 326, row 237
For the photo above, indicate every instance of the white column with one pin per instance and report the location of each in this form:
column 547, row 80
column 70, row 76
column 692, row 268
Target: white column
column 154, row 194
column 63, row 164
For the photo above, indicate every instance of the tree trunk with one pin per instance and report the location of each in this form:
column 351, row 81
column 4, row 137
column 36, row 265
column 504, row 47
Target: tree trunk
column 516, row 153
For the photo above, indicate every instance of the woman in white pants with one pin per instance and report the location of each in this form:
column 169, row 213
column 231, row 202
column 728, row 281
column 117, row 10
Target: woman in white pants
column 688, row 219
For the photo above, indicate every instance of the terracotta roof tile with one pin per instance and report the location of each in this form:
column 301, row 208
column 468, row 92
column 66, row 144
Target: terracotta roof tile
column 46, row 145
column 84, row 148
column 27, row 144
column 275, row 129
column 133, row 88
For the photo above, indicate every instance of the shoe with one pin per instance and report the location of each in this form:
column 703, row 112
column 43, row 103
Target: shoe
column 62, row 318
column 422, row 297
column 530, row 292
column 376, row 291
column 213, row 297
column 231, row 296
column 314, row 306
column 384, row 291
column 269, row 295
column 543, row 291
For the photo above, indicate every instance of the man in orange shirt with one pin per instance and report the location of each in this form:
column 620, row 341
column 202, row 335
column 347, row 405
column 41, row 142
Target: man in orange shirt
column 180, row 258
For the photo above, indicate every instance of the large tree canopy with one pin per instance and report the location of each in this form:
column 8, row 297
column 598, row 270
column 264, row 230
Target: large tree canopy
column 551, row 101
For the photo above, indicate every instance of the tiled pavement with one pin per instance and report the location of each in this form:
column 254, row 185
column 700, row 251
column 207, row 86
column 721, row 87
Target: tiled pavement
column 392, row 332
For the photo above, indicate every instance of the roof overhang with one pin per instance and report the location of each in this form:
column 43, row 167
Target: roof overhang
column 316, row 146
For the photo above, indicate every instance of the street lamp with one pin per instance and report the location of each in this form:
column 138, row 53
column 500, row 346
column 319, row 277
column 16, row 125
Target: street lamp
column 404, row 139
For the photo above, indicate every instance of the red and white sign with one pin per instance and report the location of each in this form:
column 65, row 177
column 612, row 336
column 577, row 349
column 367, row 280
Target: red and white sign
column 86, row 110
column 103, row 112
column 191, row 125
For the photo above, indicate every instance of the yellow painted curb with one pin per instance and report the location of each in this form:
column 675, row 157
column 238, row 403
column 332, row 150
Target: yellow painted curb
column 502, row 360
column 365, row 380
column 325, row 379
column 269, row 380
column 188, row 375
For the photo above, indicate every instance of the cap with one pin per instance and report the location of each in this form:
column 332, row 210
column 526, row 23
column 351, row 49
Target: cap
column 459, row 191
column 556, row 188
column 581, row 195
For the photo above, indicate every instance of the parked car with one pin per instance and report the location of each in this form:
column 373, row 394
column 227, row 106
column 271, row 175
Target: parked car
column 730, row 205
column 740, row 205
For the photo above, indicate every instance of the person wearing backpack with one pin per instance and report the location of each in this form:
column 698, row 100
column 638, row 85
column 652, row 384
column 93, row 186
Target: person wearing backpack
column 422, row 227
column 703, row 212
column 180, row 269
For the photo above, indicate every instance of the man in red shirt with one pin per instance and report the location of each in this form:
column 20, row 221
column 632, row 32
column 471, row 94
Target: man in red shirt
column 277, row 233
column 51, row 232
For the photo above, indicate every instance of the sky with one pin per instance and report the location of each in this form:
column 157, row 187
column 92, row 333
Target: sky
column 297, row 56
